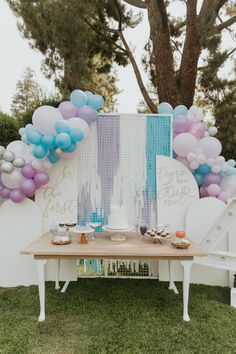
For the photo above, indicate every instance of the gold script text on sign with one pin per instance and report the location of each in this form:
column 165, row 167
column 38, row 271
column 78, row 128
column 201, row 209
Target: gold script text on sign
column 52, row 194
column 174, row 187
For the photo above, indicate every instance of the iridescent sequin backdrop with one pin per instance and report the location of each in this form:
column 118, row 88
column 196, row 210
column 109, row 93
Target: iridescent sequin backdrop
column 117, row 165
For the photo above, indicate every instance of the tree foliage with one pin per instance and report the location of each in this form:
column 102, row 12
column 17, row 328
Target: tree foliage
column 8, row 129
column 28, row 94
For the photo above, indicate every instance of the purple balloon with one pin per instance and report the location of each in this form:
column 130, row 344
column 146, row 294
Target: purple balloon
column 213, row 190
column 28, row 187
column 223, row 196
column 40, row 179
column 5, row 192
column 87, row 113
column 211, row 178
column 17, row 195
column 67, row 109
column 28, row 171
column 197, row 129
column 181, row 124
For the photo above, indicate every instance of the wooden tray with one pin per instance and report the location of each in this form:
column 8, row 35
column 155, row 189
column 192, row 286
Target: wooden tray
column 181, row 246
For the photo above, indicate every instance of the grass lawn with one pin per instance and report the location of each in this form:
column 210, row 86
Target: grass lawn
column 117, row 316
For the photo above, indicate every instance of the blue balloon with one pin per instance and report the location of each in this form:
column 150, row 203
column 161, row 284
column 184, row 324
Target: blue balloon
column 48, row 141
column 88, row 94
column 180, row 110
column 95, row 101
column 52, row 157
column 33, row 136
column 165, row 108
column 76, row 135
column 231, row 162
column 61, row 126
column 199, row 178
column 63, row 140
column 203, row 169
column 78, row 98
column 70, row 148
column 24, row 139
column 40, row 152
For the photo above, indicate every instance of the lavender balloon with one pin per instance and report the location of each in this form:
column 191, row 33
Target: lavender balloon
column 17, row 195
column 197, row 129
column 87, row 113
column 28, row 171
column 213, row 190
column 180, row 124
column 67, row 109
column 40, row 179
column 5, row 192
column 223, row 196
column 211, row 178
column 28, row 187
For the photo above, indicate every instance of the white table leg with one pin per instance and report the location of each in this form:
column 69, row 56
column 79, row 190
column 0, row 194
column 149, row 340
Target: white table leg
column 171, row 282
column 40, row 263
column 57, row 285
column 63, row 290
column 186, row 281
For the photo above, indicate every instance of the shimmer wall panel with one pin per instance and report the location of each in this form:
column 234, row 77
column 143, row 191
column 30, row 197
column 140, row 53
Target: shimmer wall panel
column 117, row 165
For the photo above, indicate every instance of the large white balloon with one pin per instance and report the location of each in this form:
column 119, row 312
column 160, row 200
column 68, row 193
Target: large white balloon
column 12, row 180
column 45, row 117
column 184, row 143
column 21, row 149
column 80, row 124
column 211, row 146
column 228, row 185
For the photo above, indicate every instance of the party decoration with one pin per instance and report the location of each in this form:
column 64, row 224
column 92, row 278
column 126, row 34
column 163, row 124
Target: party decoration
column 165, row 108
column 78, row 98
column 67, row 109
column 211, row 146
column 184, row 143
column 44, row 119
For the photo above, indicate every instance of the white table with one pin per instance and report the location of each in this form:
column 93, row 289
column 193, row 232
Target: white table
column 102, row 247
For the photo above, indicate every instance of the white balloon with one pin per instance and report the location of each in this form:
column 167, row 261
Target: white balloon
column 212, row 131
column 195, row 113
column 7, row 167
column 37, row 164
column 9, row 155
column 211, row 146
column 194, row 165
column 206, row 134
column 191, row 156
column 12, row 180
column 211, row 162
column 21, row 149
column 228, row 185
column 45, row 117
column 80, row 124
column 201, row 158
column 19, row 162
column 216, row 169
column 220, row 160
column 47, row 164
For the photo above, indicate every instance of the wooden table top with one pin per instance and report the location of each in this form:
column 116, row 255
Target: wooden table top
column 134, row 247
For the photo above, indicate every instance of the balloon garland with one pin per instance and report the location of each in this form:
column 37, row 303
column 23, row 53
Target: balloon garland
column 55, row 133
column 195, row 145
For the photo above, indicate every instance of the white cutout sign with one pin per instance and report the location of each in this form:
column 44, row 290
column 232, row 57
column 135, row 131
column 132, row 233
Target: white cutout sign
column 176, row 190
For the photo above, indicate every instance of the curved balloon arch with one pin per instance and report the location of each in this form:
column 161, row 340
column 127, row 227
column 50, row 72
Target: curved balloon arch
column 55, row 133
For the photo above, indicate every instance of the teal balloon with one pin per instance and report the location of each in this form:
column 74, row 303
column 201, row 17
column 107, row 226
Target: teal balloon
column 95, row 101
column 78, row 98
column 52, row 157
column 165, row 108
column 203, row 169
column 40, row 152
column 33, row 136
column 62, row 126
column 48, row 141
column 63, row 140
column 199, row 178
column 70, row 148
column 76, row 135
column 180, row 110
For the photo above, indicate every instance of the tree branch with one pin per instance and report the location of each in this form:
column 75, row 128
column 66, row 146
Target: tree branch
column 137, row 3
column 138, row 76
column 226, row 24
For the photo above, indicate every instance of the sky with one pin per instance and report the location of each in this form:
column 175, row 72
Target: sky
column 16, row 55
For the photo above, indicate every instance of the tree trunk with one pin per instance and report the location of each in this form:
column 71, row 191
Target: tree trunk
column 162, row 52
column 191, row 52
